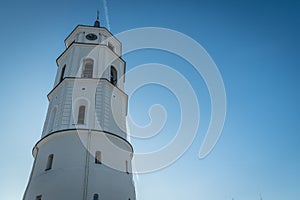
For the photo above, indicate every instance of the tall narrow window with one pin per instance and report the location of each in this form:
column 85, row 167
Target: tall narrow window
column 113, row 76
column 98, row 157
column 39, row 197
column 49, row 162
column 81, row 115
column 62, row 73
column 96, row 197
column 88, row 68
column 126, row 165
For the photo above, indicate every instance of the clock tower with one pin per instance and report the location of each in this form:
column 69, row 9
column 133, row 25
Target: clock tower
column 83, row 153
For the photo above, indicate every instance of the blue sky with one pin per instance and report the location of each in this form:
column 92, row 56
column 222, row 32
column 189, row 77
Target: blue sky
column 255, row 45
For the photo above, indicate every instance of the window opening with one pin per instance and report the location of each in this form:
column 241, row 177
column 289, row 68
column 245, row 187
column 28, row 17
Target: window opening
column 49, row 162
column 62, row 73
column 88, row 68
column 98, row 157
column 81, row 115
column 96, row 197
column 113, row 76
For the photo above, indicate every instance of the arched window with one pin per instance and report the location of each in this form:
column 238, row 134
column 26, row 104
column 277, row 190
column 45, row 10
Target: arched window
column 87, row 71
column 49, row 162
column 96, row 197
column 98, row 157
column 113, row 76
column 62, row 73
column 81, row 115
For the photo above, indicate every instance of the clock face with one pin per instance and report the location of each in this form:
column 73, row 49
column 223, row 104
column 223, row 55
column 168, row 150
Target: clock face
column 91, row 36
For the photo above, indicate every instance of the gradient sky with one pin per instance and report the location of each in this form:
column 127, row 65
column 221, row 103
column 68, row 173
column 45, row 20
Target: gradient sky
column 255, row 45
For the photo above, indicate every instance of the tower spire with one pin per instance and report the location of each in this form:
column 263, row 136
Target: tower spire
column 97, row 22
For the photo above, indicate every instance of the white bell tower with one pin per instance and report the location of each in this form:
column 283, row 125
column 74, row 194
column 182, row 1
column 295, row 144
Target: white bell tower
column 83, row 153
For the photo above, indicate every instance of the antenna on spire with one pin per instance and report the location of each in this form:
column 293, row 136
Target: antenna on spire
column 97, row 22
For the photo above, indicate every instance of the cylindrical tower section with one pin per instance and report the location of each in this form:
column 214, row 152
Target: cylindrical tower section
column 77, row 164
